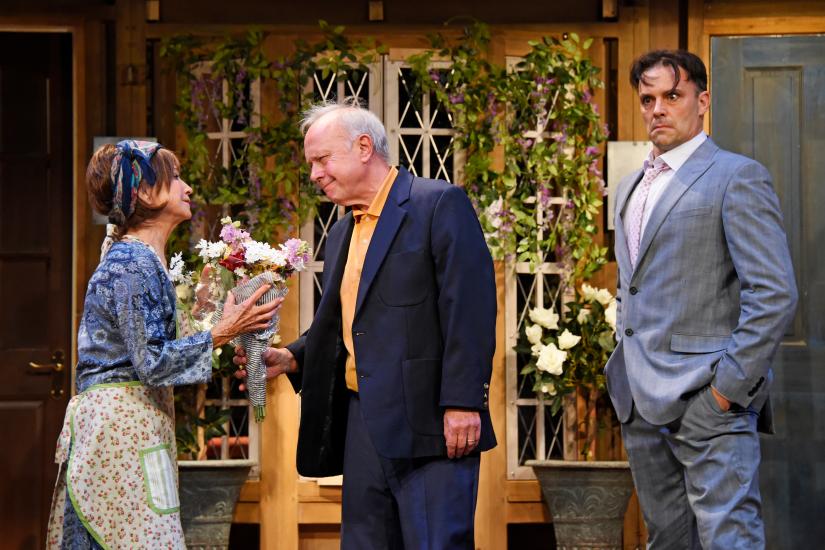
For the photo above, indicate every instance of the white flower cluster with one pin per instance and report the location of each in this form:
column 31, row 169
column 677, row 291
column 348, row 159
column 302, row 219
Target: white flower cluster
column 601, row 295
column 209, row 250
column 177, row 270
column 255, row 252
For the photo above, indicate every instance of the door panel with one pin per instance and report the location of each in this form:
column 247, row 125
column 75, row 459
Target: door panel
column 768, row 95
column 35, row 274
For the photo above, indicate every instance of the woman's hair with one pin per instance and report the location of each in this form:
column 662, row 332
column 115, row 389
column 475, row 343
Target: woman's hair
column 99, row 184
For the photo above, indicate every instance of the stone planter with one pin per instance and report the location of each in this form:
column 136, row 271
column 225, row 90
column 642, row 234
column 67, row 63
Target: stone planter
column 209, row 490
column 587, row 501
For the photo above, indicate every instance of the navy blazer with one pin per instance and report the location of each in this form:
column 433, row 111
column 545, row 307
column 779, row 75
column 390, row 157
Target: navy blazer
column 423, row 331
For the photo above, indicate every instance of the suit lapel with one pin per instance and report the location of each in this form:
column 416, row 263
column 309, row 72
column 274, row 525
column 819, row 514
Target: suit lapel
column 696, row 165
column 388, row 224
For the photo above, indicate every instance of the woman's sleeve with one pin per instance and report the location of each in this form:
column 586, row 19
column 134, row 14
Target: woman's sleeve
column 143, row 317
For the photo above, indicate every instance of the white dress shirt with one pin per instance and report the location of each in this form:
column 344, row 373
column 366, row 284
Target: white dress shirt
column 674, row 158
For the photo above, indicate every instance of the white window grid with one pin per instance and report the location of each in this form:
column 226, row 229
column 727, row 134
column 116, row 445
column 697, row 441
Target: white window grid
column 223, row 134
column 532, row 431
column 366, row 85
column 420, row 137
column 420, row 132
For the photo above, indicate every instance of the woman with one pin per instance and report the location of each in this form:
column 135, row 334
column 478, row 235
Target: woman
column 117, row 485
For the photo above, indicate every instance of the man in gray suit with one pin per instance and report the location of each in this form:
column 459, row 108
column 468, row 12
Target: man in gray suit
column 706, row 290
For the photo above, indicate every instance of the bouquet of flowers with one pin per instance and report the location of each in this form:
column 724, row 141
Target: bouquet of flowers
column 238, row 264
column 570, row 350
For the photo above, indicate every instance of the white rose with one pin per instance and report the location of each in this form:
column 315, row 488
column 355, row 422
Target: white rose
column 551, row 359
column 535, row 349
column 567, row 339
column 549, row 389
column 545, row 317
column 584, row 313
column 533, row 334
column 610, row 314
column 183, row 292
column 601, row 295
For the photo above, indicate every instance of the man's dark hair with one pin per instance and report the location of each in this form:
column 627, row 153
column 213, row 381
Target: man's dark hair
column 675, row 59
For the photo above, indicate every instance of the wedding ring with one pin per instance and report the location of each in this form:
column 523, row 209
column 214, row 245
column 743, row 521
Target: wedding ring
column 471, row 441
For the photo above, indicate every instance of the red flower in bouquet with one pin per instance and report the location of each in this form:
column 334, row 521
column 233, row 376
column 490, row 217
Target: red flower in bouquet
column 235, row 260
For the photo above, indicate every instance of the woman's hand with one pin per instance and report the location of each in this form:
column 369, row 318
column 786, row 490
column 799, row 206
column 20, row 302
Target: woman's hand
column 277, row 360
column 244, row 317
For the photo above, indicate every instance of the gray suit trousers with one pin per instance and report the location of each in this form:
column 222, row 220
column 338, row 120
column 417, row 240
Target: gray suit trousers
column 697, row 477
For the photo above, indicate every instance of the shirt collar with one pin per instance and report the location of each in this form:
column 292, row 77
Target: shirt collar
column 677, row 156
column 377, row 204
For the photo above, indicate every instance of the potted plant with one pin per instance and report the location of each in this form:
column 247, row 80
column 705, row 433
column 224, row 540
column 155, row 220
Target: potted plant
column 587, row 498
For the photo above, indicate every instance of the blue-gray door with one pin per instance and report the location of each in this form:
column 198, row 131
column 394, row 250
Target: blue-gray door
column 768, row 102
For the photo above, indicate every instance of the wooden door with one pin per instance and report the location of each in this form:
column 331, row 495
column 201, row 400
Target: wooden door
column 35, row 274
column 768, row 95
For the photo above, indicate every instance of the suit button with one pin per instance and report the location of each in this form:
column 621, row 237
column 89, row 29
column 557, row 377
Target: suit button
column 486, row 386
column 628, row 332
column 634, row 290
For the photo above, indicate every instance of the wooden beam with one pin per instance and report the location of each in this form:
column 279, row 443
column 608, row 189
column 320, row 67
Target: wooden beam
column 130, row 67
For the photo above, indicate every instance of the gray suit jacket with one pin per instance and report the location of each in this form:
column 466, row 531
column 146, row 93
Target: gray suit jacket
column 712, row 292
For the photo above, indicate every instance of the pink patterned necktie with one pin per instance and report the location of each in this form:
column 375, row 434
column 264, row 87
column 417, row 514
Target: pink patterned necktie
column 637, row 208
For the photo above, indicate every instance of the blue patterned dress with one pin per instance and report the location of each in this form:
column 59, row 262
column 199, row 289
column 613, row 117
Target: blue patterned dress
column 127, row 333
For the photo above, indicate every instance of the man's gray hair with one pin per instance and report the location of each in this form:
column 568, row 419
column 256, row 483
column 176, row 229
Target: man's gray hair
column 355, row 119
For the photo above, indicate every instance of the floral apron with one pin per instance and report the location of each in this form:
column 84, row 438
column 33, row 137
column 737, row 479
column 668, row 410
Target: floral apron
column 116, row 453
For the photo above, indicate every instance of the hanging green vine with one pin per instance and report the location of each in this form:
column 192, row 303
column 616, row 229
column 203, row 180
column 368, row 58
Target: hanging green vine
column 542, row 113
column 540, row 207
column 266, row 184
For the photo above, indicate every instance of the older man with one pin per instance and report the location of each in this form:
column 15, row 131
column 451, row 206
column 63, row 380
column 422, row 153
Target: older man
column 706, row 292
column 394, row 371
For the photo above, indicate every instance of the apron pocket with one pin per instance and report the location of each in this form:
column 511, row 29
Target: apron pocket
column 159, row 479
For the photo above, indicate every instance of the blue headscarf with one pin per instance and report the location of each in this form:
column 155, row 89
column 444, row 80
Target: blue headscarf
column 130, row 166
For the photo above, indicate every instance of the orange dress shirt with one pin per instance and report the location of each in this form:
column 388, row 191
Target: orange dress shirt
column 365, row 222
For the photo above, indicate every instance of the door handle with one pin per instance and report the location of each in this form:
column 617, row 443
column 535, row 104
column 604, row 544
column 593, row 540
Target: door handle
column 56, row 368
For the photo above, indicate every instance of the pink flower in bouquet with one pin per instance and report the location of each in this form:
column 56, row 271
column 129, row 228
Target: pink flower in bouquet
column 297, row 254
column 231, row 232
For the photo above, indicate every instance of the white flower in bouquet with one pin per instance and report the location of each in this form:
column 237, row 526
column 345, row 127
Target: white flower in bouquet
column 183, row 292
column 261, row 253
column 233, row 259
column 547, row 318
column 567, row 339
column 583, row 315
column 601, row 295
column 610, row 314
column 177, row 270
column 551, row 359
column 534, row 334
column 209, row 250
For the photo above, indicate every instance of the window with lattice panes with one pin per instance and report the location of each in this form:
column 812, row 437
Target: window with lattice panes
column 226, row 142
column 533, row 432
column 420, row 139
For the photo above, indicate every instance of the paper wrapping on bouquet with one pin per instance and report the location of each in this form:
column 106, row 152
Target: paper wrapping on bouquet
column 255, row 343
